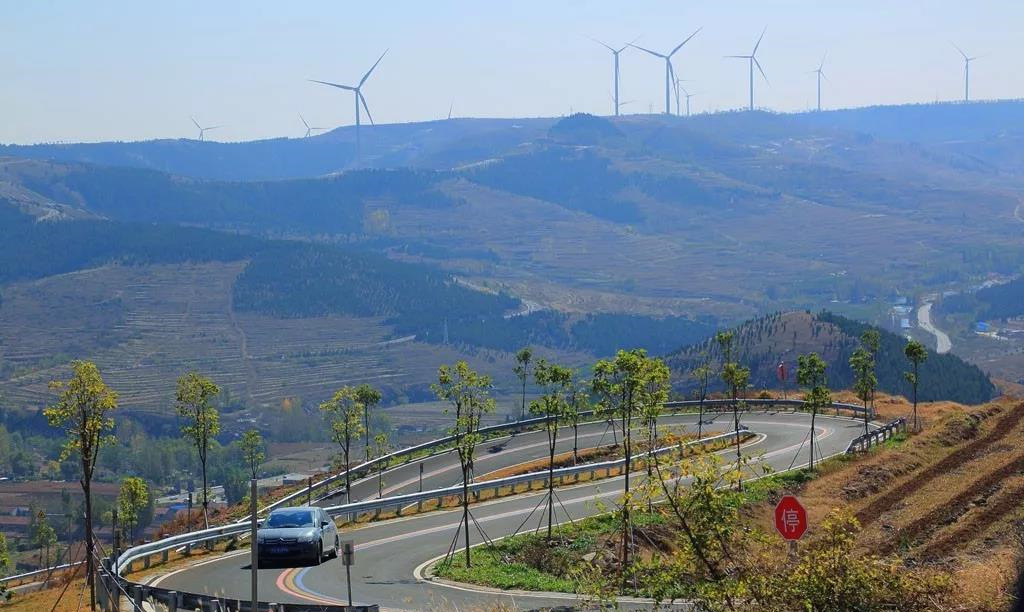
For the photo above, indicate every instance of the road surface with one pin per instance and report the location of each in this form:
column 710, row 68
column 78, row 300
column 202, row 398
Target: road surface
column 924, row 321
column 391, row 555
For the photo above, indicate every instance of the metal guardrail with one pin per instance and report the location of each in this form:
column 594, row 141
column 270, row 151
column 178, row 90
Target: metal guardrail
column 412, row 452
column 163, row 547
column 46, row 571
column 864, row 442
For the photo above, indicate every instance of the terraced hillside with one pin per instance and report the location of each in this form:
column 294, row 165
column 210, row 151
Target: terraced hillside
column 146, row 325
column 950, row 496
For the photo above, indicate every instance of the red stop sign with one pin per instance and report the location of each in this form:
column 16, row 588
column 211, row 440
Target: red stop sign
column 790, row 518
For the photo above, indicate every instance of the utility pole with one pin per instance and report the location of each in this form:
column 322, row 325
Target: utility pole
column 254, row 562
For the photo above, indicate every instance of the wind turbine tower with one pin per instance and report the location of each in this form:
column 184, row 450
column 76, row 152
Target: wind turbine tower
column 967, row 73
column 669, row 72
column 821, row 75
column 688, row 96
column 309, row 130
column 752, row 59
column 615, row 54
column 203, row 130
column 357, row 92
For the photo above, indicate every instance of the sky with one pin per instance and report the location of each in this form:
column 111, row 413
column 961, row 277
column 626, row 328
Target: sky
column 129, row 70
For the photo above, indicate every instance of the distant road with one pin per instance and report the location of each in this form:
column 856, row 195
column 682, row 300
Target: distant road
column 924, row 321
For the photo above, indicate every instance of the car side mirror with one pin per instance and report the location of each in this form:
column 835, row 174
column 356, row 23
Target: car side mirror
column 323, row 524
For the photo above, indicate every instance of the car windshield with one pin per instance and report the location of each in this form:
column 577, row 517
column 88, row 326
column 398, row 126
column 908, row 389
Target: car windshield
column 290, row 518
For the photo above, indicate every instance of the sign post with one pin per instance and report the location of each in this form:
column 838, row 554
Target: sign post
column 348, row 558
column 790, row 520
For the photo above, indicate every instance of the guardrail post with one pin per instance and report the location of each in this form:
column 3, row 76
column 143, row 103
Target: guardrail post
column 165, row 556
column 172, row 601
column 136, row 598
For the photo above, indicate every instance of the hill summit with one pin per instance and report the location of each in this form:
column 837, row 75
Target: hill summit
column 764, row 342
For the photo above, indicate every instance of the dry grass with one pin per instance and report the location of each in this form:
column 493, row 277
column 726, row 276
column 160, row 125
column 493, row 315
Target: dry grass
column 948, row 497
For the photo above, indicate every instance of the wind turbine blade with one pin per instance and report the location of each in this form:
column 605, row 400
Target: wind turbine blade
column 304, row 121
column 754, row 52
column 347, row 87
column 746, row 57
column 761, row 70
column 822, row 64
column 196, row 122
column 370, row 71
column 627, row 45
column 825, row 77
column 680, row 45
column 213, row 127
column 654, row 53
column 365, row 107
column 959, row 49
column 606, row 46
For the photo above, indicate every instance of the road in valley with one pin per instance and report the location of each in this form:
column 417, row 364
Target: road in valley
column 390, row 555
column 924, row 320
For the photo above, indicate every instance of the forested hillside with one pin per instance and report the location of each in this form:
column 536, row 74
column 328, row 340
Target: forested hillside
column 997, row 302
column 765, row 341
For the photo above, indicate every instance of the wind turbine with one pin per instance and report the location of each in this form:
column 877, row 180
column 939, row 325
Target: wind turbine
column 752, row 58
column 678, row 84
column 821, row 74
column 309, row 130
column 967, row 73
column 615, row 54
column 203, row 130
column 669, row 72
column 358, row 95
column 688, row 96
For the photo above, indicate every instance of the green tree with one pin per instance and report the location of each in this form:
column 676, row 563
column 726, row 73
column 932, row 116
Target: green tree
column 132, row 500
column 621, row 384
column 468, row 393
column 345, row 413
column 864, row 380
column 702, row 374
column 83, row 412
column 43, row 537
column 5, row 566
column 522, row 370
column 736, row 378
column 381, row 447
column 194, row 402
column 253, row 450
column 916, row 354
column 555, row 382
column 369, row 398
column 810, row 373
column 579, row 402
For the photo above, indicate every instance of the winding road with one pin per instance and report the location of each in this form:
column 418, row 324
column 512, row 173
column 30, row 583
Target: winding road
column 391, row 555
column 924, row 320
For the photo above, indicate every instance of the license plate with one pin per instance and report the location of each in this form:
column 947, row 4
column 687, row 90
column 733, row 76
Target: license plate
column 278, row 550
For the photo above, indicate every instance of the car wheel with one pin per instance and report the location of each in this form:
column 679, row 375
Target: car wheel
column 337, row 547
column 319, row 553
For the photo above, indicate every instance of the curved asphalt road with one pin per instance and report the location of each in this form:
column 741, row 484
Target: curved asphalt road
column 389, row 554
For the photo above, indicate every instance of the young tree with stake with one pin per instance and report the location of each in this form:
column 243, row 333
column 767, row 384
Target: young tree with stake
column 345, row 413
column 132, row 499
column 620, row 383
column 810, row 373
column 522, row 370
column 381, row 447
column 917, row 354
column 369, row 398
column 83, row 412
column 553, row 404
column 468, row 393
column 194, row 402
column 864, row 380
column 253, row 451
column 702, row 374
column 735, row 378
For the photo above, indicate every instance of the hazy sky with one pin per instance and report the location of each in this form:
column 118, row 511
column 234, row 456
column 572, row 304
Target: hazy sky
column 108, row 70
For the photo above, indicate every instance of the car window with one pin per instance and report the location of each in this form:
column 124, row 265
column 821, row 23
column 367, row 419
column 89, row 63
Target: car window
column 290, row 518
